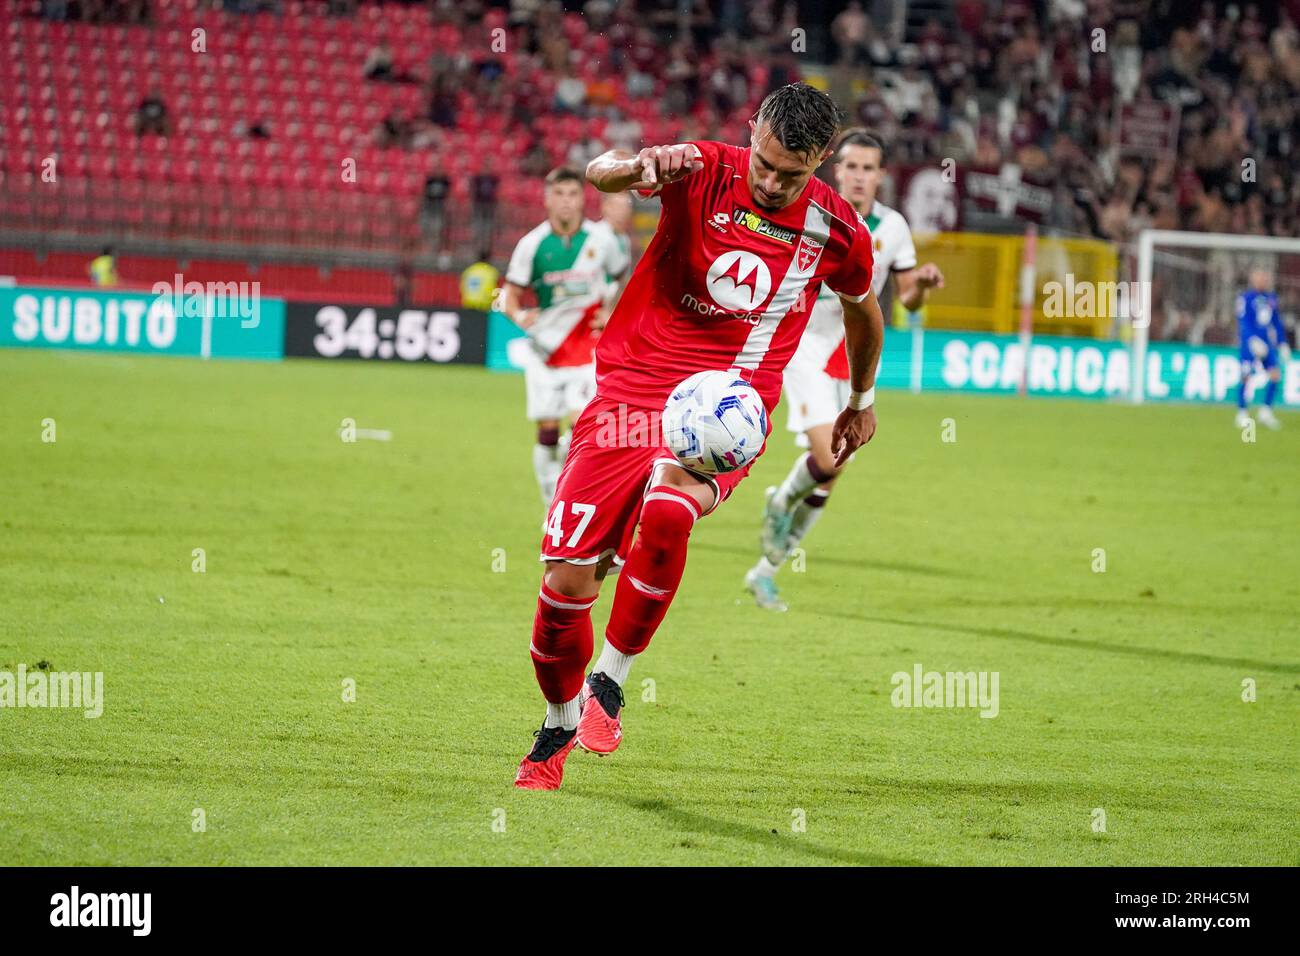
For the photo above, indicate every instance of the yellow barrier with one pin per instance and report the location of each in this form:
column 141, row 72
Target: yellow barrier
column 981, row 280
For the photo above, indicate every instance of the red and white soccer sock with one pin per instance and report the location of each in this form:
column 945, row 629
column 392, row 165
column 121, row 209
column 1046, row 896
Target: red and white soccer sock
column 653, row 570
column 613, row 663
column 560, row 649
column 803, row 478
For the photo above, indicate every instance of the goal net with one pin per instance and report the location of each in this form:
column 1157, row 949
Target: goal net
column 1184, row 343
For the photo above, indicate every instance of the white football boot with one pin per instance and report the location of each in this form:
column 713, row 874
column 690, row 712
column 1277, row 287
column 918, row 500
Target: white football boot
column 763, row 588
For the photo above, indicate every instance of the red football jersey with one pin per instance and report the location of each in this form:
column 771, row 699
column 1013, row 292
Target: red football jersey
column 726, row 285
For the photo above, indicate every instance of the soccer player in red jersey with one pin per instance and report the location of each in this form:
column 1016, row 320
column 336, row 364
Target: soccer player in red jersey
column 746, row 238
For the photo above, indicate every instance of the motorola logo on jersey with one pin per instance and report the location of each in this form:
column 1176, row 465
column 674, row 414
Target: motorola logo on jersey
column 739, row 281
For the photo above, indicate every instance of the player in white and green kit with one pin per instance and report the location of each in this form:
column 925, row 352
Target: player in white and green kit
column 817, row 379
column 573, row 266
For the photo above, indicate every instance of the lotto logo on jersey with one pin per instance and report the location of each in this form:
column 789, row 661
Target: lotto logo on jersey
column 739, row 281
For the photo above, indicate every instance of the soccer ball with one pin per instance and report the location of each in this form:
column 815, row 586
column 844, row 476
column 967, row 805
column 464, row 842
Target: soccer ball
column 714, row 422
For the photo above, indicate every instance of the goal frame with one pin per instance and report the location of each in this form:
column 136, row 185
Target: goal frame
column 1148, row 239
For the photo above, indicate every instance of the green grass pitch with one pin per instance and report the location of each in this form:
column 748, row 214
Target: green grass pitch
column 374, row 562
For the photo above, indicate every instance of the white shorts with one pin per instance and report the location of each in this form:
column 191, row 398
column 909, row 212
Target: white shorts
column 555, row 393
column 815, row 398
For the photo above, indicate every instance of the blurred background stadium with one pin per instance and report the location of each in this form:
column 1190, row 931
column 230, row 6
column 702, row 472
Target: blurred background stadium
column 367, row 153
column 233, row 543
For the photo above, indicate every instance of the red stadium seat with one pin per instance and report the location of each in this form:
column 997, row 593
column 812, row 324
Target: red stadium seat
column 72, row 90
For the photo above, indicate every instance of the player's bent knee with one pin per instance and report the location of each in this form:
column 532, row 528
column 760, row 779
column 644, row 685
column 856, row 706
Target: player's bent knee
column 667, row 517
column 696, row 489
column 571, row 580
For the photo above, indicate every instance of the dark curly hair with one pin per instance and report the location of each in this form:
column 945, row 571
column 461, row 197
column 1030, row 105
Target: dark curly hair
column 803, row 119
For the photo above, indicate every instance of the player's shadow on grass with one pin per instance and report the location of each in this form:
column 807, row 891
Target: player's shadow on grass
column 1074, row 643
column 760, row 836
column 926, row 570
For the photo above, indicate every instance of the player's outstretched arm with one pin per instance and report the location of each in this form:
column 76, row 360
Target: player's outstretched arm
column 864, row 335
column 913, row 286
column 618, row 170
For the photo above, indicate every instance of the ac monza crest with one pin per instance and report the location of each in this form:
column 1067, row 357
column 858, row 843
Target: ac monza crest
column 807, row 253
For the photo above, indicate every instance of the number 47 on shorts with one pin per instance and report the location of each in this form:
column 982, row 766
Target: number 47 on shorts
column 555, row 532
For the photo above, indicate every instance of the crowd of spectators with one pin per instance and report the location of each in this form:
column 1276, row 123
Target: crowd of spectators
column 1000, row 81
column 1038, row 84
column 697, row 68
column 991, row 82
column 623, row 74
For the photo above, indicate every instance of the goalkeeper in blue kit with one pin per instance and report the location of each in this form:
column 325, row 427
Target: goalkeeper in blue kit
column 1263, row 344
